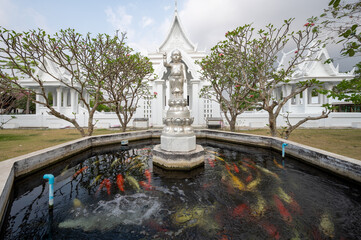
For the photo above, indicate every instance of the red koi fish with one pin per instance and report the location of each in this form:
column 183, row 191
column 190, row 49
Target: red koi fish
column 147, row 186
column 295, row 207
column 239, row 210
column 80, row 171
column 105, row 183
column 281, row 208
column 249, row 178
column 211, row 163
column 156, row 226
column 248, row 165
column 271, row 230
column 248, row 160
column 235, row 168
column 227, row 167
column 120, row 182
column 277, row 164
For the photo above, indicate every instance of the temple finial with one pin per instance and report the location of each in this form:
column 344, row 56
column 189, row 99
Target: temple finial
column 176, row 7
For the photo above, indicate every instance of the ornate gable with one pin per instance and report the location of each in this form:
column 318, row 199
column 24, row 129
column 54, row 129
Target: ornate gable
column 176, row 38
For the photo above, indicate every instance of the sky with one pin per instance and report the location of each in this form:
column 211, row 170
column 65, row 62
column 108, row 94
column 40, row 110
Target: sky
column 147, row 22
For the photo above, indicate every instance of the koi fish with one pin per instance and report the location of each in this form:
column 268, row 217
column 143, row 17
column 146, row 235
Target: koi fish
column 77, row 203
column 148, row 175
column 133, row 182
column 271, row 230
column 249, row 178
column 236, row 182
column 206, row 185
column 295, row 207
column 211, row 163
column 120, row 182
column 281, row 208
column 216, row 153
column 80, row 171
column 115, row 162
column 219, row 158
column 227, row 167
column 139, row 165
column 277, row 164
column 105, row 183
column 259, row 208
column 249, row 160
column 243, row 168
column 64, row 170
column 248, row 165
column 156, row 226
column 239, row 210
column 268, row 172
column 235, row 168
column 95, row 180
column 326, row 225
column 284, row 196
column 147, row 186
column 252, row 185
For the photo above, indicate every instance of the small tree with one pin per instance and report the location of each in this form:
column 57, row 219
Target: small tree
column 222, row 68
column 84, row 59
column 256, row 57
column 128, row 83
column 344, row 19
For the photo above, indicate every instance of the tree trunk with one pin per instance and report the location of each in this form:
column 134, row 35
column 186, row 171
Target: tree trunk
column 232, row 124
column 272, row 124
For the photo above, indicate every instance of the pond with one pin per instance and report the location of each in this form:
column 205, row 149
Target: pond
column 242, row 192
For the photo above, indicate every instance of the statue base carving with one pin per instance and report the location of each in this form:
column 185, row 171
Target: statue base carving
column 178, row 143
column 178, row 160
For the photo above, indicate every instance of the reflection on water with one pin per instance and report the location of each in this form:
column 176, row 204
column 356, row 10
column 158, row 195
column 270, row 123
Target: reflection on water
column 240, row 193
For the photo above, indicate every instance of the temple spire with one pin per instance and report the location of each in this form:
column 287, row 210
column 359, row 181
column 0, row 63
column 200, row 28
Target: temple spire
column 176, row 7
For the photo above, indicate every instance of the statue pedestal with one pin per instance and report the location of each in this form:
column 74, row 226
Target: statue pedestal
column 178, row 143
column 178, row 160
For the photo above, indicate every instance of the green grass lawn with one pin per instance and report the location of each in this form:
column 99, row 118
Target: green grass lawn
column 16, row 142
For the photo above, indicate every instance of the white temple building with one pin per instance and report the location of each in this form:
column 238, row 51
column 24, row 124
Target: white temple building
column 308, row 103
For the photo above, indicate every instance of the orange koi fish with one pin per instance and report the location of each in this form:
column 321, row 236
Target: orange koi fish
column 295, row 207
column 148, row 175
column 120, row 182
column 80, row 171
column 271, row 230
column 227, row 167
column 106, row 183
column 281, row 208
column 147, row 186
column 277, row 164
column 249, row 178
column 211, row 163
column 239, row 210
column 235, row 168
column 236, row 182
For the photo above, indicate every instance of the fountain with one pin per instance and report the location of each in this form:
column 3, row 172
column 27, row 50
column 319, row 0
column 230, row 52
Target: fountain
column 178, row 149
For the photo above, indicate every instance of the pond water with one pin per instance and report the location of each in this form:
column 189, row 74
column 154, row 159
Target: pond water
column 241, row 193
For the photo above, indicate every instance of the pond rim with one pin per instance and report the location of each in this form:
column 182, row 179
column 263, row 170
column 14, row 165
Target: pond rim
column 21, row 166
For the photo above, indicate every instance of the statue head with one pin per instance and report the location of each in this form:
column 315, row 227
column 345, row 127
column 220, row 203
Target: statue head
column 176, row 56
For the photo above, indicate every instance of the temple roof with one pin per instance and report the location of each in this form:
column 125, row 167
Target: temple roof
column 177, row 38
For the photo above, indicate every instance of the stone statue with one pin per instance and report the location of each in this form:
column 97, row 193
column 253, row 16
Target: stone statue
column 177, row 73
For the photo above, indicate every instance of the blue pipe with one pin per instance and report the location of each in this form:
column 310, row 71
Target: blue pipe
column 50, row 177
column 283, row 149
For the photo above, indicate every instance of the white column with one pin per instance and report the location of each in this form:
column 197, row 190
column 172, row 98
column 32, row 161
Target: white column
column 195, row 101
column 73, row 101
column 65, row 98
column 158, row 103
column 297, row 99
column 37, row 105
column 286, row 91
column 305, row 100
column 58, row 99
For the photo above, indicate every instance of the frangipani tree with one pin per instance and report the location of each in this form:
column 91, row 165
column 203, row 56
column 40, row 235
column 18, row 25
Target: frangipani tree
column 88, row 62
column 223, row 69
column 128, row 83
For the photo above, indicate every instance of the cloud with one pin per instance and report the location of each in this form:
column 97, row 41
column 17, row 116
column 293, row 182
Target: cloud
column 208, row 25
column 146, row 21
column 120, row 20
column 166, row 8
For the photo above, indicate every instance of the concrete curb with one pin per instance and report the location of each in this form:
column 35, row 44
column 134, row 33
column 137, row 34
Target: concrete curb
column 16, row 167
